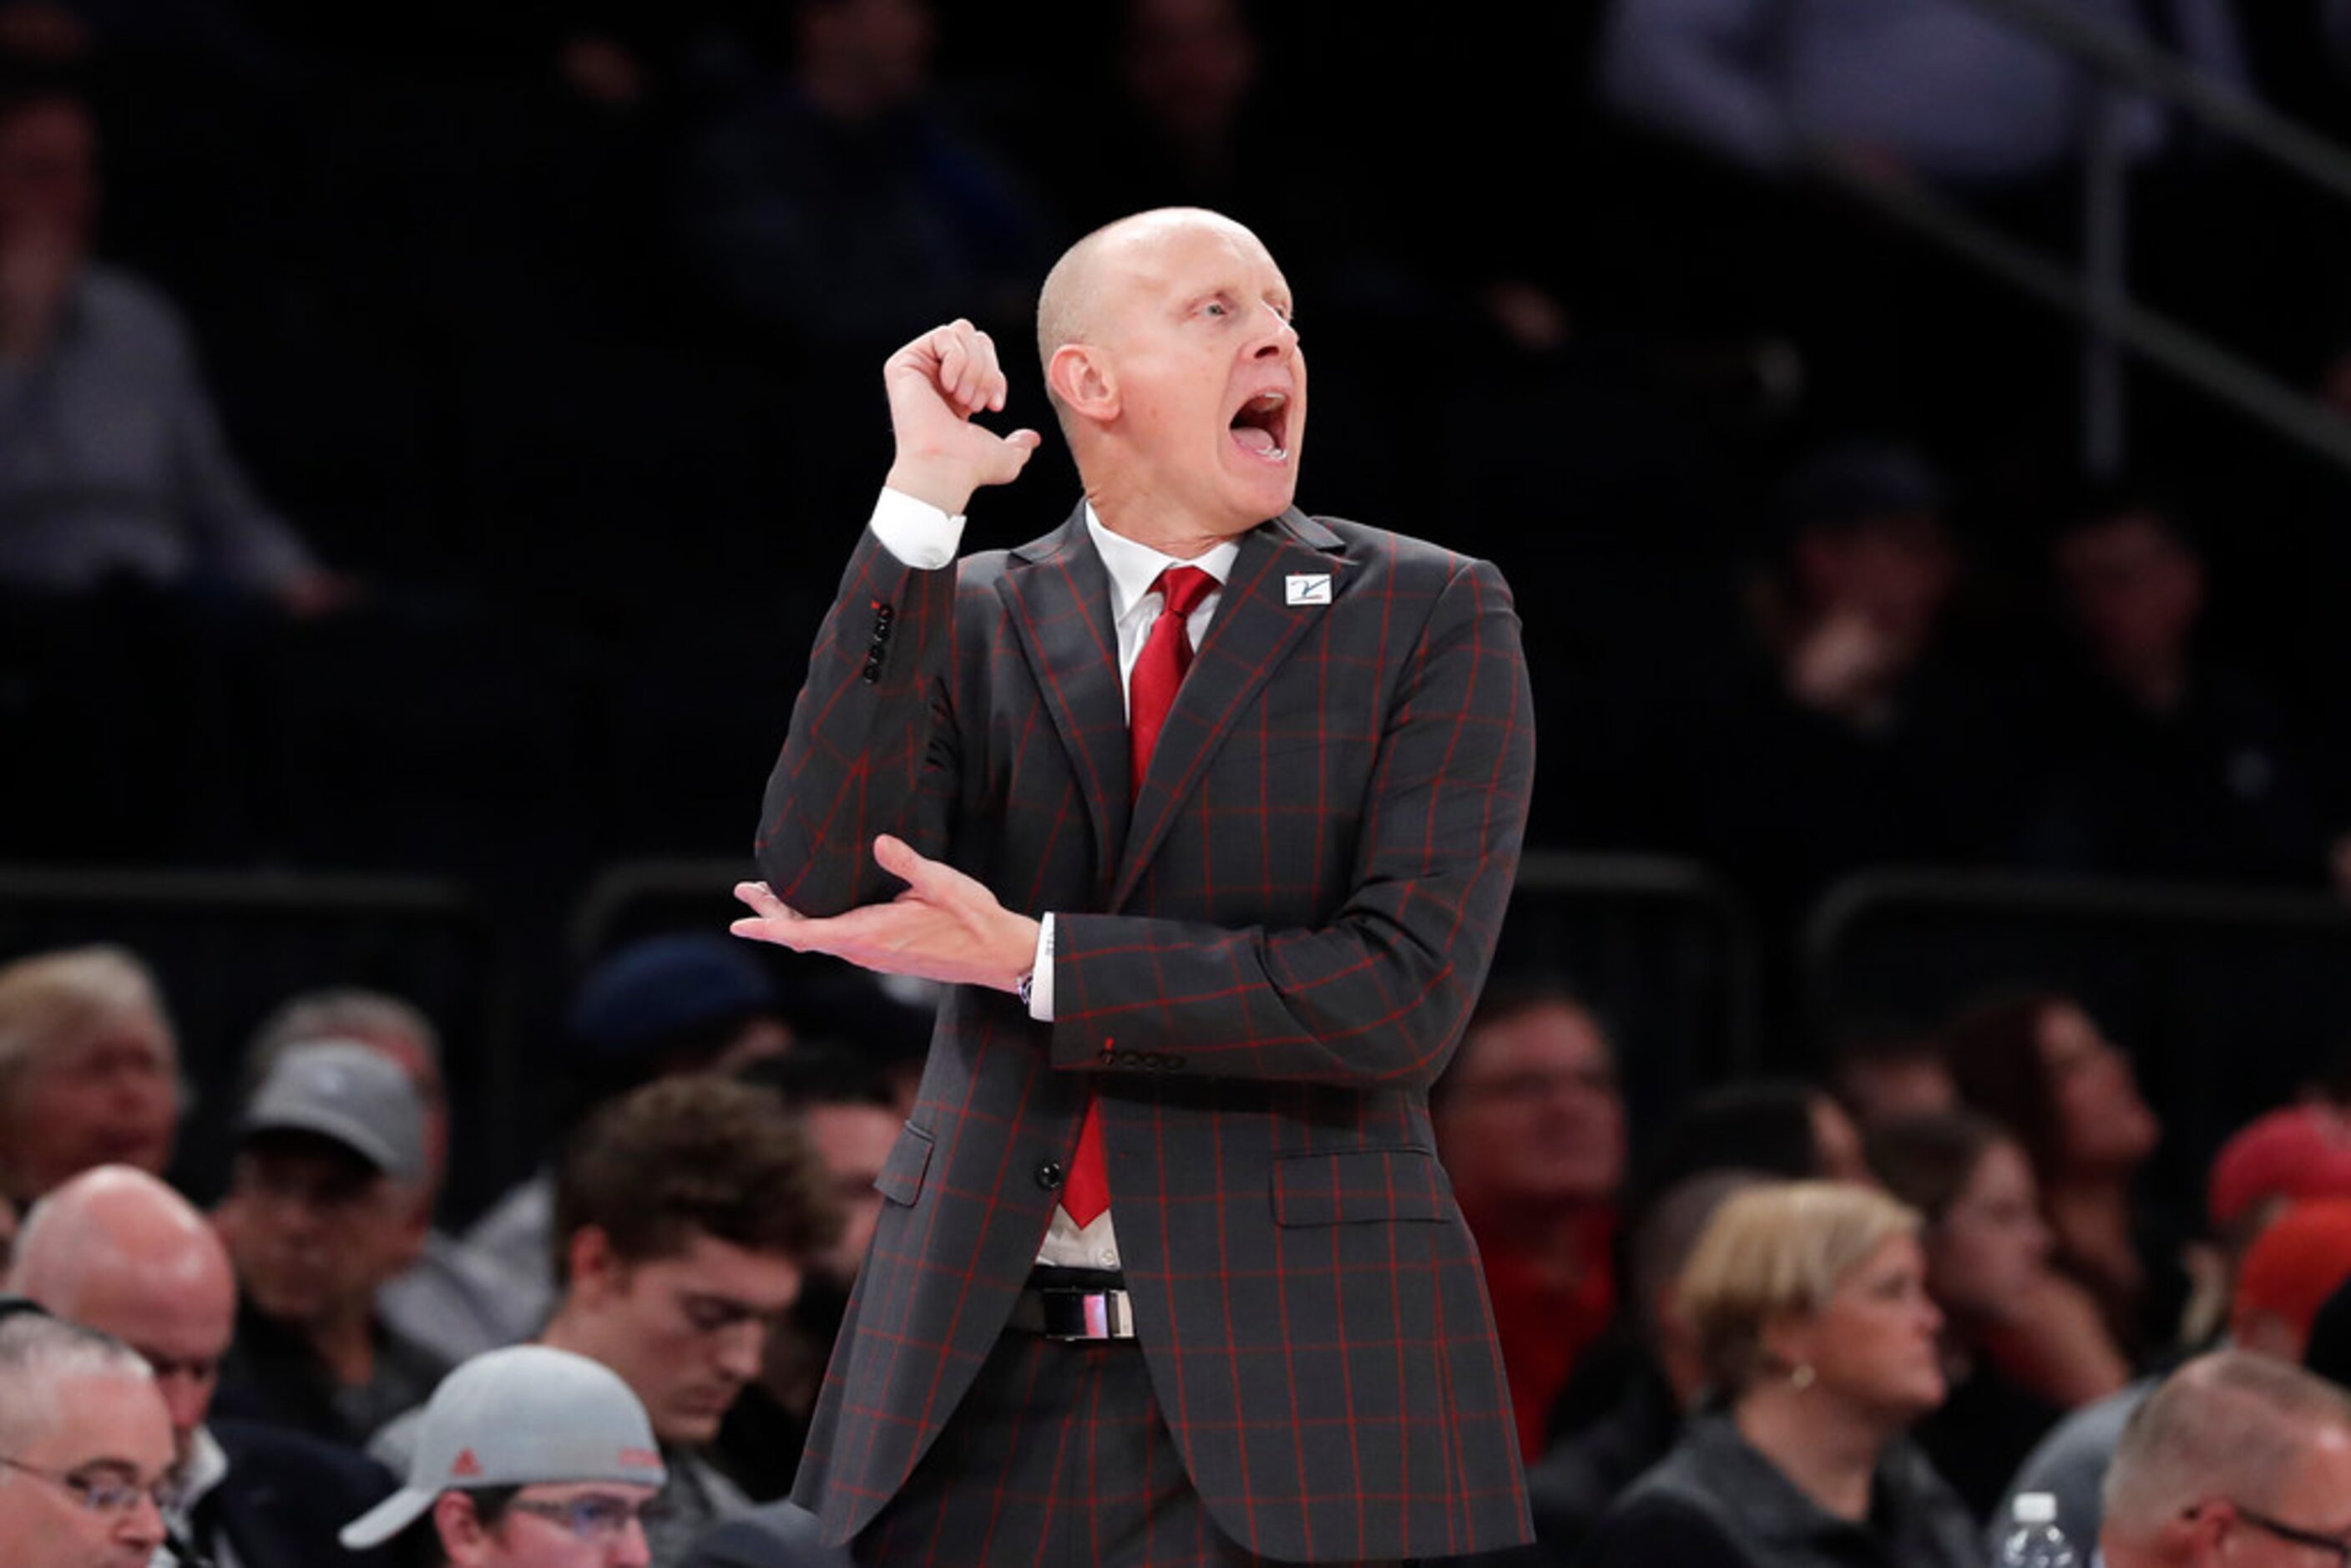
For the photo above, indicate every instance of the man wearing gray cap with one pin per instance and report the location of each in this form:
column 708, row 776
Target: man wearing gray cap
column 528, row 1457
column 319, row 1213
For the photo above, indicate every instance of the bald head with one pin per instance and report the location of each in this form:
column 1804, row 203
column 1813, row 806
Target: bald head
column 1070, row 307
column 2233, row 1427
column 117, row 1250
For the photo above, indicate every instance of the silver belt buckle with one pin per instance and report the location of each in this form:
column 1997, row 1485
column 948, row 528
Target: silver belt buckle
column 1077, row 1315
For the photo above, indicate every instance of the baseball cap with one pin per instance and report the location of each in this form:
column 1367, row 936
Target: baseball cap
column 524, row 1416
column 350, row 1092
column 2299, row 1152
column 645, row 996
column 2301, row 1259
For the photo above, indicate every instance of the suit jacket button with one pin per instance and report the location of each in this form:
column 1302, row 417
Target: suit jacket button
column 1049, row 1175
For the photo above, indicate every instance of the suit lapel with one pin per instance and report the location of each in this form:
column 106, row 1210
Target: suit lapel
column 1253, row 629
column 1058, row 595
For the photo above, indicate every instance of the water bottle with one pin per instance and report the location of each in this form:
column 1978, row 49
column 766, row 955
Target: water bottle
column 2033, row 1539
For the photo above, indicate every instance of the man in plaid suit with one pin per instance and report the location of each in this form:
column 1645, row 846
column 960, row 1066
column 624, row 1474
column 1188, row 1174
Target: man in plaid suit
column 1208, row 943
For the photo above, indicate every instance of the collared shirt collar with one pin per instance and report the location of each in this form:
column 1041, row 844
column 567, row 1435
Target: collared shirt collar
column 1134, row 567
column 207, row 1467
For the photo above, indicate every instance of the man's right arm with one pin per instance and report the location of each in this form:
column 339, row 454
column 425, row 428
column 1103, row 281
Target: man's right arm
column 873, row 748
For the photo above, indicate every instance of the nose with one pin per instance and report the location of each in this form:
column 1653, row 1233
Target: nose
column 1279, row 338
column 741, row 1349
column 143, row 1527
column 630, row 1550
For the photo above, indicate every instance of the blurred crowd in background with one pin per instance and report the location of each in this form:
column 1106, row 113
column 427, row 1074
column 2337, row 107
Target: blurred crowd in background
column 427, row 433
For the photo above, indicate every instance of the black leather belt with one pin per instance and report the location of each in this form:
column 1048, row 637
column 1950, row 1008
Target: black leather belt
column 1074, row 1305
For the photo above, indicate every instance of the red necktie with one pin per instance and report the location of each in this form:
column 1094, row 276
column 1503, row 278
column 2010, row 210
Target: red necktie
column 1151, row 692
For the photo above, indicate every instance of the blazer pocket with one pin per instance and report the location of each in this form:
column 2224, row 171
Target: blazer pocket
column 1358, row 1185
column 900, row 1180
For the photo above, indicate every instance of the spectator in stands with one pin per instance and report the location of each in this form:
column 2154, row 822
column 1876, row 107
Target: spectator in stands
column 1813, row 1318
column 116, row 1251
column 453, row 1300
column 2280, row 1305
column 528, row 1457
column 1987, row 1267
column 1661, row 1380
column 320, row 1212
column 84, row 1448
column 837, row 204
column 1886, row 1074
column 2168, row 763
column 1935, row 87
column 89, row 1069
column 689, row 1211
column 1846, row 734
column 683, row 1003
column 2300, row 1261
column 2237, row 1458
column 1531, row 1127
column 843, row 1101
column 2038, row 1065
column 2276, row 1160
column 112, row 462
column 1781, row 1128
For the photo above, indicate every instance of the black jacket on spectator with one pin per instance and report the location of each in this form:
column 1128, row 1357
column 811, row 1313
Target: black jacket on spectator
column 285, row 1497
column 1572, row 1485
column 1714, row 1502
column 271, row 1375
column 1981, row 1433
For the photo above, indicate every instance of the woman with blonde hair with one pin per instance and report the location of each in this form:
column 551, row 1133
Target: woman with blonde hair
column 1808, row 1302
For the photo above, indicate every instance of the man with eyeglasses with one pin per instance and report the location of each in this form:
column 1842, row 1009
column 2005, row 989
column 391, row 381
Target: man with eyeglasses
column 117, row 1250
column 2237, row 1458
column 84, row 1448
column 1529, row 1122
column 685, row 1212
column 528, row 1457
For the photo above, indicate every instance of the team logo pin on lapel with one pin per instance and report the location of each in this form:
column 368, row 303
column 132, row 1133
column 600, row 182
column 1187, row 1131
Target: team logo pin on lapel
column 1308, row 588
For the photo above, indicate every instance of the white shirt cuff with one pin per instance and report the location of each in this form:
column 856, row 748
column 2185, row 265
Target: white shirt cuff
column 916, row 532
column 1040, row 979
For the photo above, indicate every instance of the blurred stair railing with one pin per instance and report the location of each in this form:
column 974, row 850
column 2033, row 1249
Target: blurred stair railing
column 2095, row 291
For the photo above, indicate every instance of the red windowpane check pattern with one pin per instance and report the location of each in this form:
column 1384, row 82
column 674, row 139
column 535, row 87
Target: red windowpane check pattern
column 1151, row 692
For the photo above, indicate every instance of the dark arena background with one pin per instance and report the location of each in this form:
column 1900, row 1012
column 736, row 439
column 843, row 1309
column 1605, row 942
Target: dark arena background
column 1919, row 441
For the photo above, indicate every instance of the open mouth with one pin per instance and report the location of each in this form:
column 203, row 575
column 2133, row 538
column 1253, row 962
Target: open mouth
column 1261, row 427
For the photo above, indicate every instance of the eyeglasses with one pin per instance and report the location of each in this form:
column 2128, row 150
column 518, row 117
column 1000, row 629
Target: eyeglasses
column 594, row 1519
column 2335, row 1545
column 103, row 1489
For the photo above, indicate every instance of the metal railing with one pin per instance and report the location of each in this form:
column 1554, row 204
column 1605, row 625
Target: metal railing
column 2097, row 293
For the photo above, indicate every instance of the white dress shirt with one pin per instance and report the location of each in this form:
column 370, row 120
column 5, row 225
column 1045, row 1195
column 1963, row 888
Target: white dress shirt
column 922, row 535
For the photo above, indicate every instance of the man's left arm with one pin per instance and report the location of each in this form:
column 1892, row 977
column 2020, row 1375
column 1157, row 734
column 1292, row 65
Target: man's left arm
column 1379, row 994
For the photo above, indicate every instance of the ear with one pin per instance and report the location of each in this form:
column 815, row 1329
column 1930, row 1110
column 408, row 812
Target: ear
column 1085, row 380
column 594, row 1268
column 462, row 1540
column 1789, row 1340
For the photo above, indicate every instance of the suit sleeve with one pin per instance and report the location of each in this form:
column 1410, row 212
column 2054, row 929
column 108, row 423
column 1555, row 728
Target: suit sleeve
column 1379, row 995
column 871, row 748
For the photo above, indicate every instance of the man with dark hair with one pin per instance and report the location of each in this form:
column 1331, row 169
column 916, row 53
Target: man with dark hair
column 689, row 1211
column 1530, row 1125
column 320, row 1213
column 2169, row 762
column 684, row 1002
column 842, row 1097
column 452, row 1299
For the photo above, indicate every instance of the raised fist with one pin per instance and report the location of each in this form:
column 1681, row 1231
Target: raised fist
column 937, row 383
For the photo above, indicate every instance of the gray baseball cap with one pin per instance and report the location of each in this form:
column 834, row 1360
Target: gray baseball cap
column 524, row 1415
column 350, row 1092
